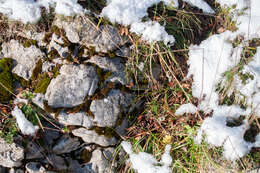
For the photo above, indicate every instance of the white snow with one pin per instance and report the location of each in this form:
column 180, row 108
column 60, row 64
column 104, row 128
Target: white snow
column 207, row 64
column 26, row 127
column 29, row 11
column 186, row 108
column 131, row 12
column 144, row 162
column 200, row 4
column 151, row 32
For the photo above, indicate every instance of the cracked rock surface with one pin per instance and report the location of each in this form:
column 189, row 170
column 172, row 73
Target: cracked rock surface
column 74, row 83
column 25, row 58
column 11, row 155
column 81, row 30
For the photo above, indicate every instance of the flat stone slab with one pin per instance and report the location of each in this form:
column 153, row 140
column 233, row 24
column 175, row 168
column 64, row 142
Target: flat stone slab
column 90, row 136
column 75, row 119
column 74, row 83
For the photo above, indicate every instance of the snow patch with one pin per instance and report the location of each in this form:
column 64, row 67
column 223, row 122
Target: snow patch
column 144, row 162
column 29, row 11
column 201, row 4
column 151, row 32
column 26, row 127
column 131, row 12
column 186, row 108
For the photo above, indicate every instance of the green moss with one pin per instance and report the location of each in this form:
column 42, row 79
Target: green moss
column 29, row 42
column 47, row 37
column 105, row 131
column 37, row 70
column 24, row 83
column 42, row 85
column 50, row 109
column 85, row 156
column 6, row 79
column 53, row 54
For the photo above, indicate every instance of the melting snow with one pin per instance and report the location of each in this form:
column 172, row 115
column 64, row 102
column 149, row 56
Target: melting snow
column 208, row 61
column 186, row 108
column 131, row 12
column 26, row 127
column 29, row 11
column 144, row 162
column 200, row 4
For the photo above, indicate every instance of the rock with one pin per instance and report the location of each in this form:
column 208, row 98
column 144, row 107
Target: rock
column 123, row 51
column 66, row 144
column 75, row 167
column 34, row 167
column 11, row 155
column 26, row 58
column 47, row 66
column 114, row 65
column 81, row 30
column 57, row 162
column 12, row 170
column 33, row 35
column 75, row 119
column 49, row 136
column 107, row 110
column 57, row 44
column 90, row 136
column 121, row 129
column 33, row 151
column 38, row 100
column 98, row 163
column 3, row 169
column 74, row 83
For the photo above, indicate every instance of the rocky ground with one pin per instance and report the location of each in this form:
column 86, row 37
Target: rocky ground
column 69, row 81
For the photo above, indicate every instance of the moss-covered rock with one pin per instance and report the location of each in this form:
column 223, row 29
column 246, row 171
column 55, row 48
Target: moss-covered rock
column 6, row 79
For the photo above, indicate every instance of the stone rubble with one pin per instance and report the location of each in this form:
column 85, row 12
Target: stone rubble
column 70, row 140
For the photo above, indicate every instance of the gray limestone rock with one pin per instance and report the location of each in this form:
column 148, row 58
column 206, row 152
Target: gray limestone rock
column 57, row 162
column 3, row 169
column 90, row 136
column 57, row 44
column 26, row 58
column 47, row 66
column 99, row 163
column 81, row 30
column 114, row 65
column 74, row 83
column 107, row 110
column 11, row 155
column 34, row 167
column 66, row 145
column 75, row 119
column 38, row 100
column 33, row 151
